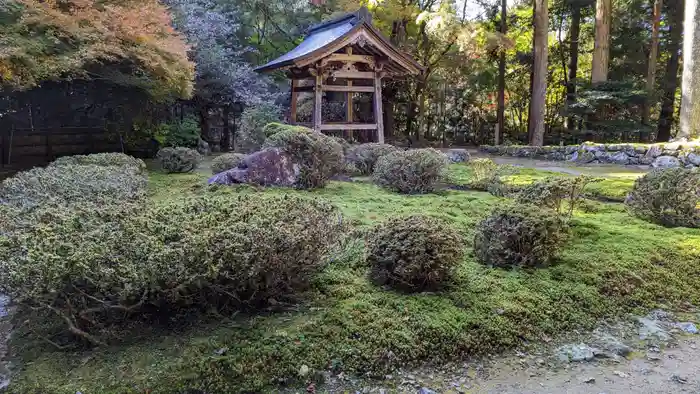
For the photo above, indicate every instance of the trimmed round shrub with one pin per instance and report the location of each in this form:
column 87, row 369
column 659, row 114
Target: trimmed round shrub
column 102, row 159
column 669, row 197
column 411, row 172
column 251, row 135
column 486, row 174
column 226, row 162
column 561, row 194
column 344, row 144
column 73, row 185
column 91, row 272
column 319, row 156
column 178, row 160
column 272, row 128
column 414, row 253
column 519, row 236
column 365, row 156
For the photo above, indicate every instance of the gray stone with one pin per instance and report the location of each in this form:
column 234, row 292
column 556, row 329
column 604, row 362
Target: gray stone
column 673, row 153
column 694, row 158
column 599, row 154
column 641, row 149
column 650, row 329
column 592, row 147
column 634, row 160
column 653, row 357
column 666, row 162
column 688, row 327
column 203, row 148
column 425, row 390
column 576, row 353
column 583, row 157
column 458, row 155
column 620, row 158
column 654, row 151
column 268, row 167
column 589, row 379
column 555, row 156
column 646, row 160
column 611, row 344
column 679, row 379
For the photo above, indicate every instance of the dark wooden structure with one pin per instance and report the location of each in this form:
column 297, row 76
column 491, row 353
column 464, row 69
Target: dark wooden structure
column 349, row 55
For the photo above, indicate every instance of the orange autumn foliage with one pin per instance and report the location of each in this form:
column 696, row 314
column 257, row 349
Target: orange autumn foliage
column 128, row 42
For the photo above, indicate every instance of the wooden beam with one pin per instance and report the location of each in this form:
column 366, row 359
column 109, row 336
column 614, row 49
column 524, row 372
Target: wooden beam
column 318, row 102
column 305, row 88
column 293, row 105
column 357, row 89
column 346, row 126
column 352, row 74
column 344, row 57
column 378, row 109
column 348, row 58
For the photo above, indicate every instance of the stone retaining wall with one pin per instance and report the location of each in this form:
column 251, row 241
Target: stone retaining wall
column 672, row 154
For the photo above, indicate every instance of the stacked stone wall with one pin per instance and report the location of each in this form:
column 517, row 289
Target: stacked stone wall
column 654, row 155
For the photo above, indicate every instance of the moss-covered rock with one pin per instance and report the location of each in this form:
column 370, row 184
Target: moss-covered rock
column 319, row 156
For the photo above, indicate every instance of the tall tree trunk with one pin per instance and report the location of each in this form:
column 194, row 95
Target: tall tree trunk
column 653, row 54
column 574, row 34
column 532, row 75
column 539, row 80
column 670, row 81
column 204, row 123
column 501, row 80
column 690, row 104
column 226, row 134
column 601, row 47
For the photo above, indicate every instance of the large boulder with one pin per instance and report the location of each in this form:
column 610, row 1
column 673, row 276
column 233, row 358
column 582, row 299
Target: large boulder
column 458, row 155
column 666, row 162
column 268, row 167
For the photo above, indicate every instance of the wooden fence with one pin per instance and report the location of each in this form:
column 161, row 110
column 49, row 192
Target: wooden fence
column 25, row 148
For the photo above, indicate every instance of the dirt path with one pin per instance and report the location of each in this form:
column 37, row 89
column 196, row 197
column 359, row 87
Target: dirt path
column 609, row 170
column 677, row 370
column 655, row 353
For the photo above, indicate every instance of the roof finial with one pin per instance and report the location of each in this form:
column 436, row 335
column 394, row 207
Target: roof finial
column 364, row 15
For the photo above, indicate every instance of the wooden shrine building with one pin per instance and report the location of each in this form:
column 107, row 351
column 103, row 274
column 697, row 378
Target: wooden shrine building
column 347, row 56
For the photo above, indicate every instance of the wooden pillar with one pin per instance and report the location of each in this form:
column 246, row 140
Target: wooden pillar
column 318, row 100
column 349, row 109
column 378, row 110
column 348, row 97
column 293, row 104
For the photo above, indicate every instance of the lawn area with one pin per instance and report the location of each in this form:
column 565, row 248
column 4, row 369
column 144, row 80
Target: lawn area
column 613, row 263
column 611, row 186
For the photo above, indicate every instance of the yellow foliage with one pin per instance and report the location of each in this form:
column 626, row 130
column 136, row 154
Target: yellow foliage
column 133, row 41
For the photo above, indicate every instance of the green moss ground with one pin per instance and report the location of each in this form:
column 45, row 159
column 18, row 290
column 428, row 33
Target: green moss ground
column 613, row 263
column 612, row 186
